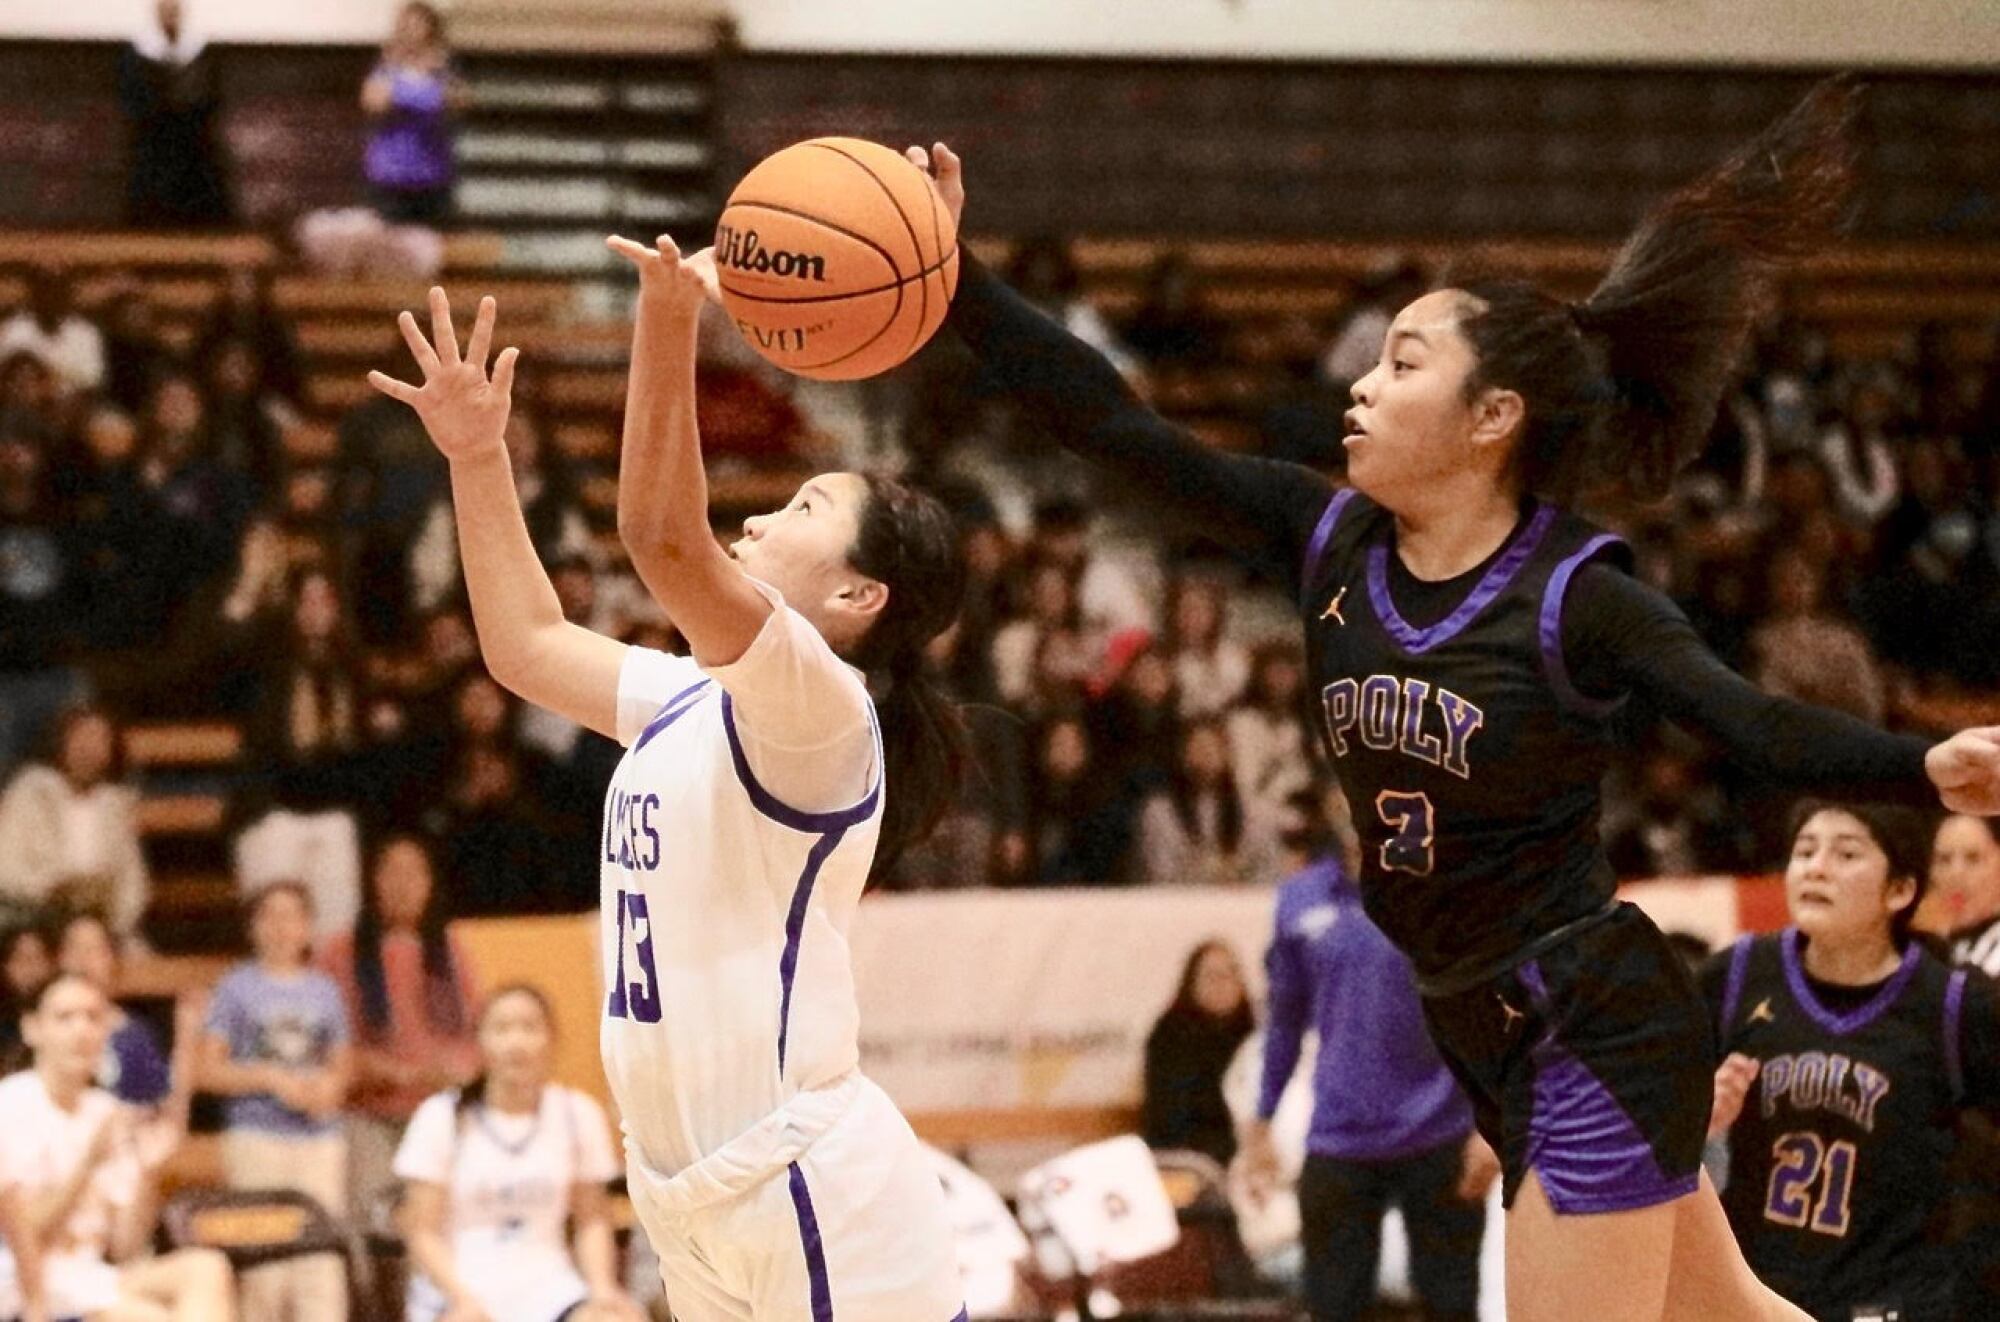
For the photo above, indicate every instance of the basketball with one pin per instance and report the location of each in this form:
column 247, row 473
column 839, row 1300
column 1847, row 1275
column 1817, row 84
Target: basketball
column 836, row 259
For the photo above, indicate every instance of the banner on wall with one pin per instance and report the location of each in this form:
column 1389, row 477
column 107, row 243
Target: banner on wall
column 1020, row 1000
column 1024, row 1000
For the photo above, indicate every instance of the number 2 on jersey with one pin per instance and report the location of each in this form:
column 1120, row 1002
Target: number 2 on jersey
column 1410, row 817
column 638, row 999
column 1796, row 1163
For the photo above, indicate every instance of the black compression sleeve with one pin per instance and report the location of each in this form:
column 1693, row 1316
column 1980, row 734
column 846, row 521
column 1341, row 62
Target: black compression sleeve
column 1259, row 507
column 1979, row 1040
column 1621, row 636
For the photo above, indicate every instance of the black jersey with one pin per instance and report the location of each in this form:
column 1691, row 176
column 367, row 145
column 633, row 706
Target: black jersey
column 1837, row 1165
column 1472, row 764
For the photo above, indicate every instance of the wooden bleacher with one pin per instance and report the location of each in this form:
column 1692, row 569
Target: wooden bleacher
column 1869, row 299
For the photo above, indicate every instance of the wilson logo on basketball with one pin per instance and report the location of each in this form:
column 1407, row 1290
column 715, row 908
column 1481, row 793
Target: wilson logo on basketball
column 742, row 252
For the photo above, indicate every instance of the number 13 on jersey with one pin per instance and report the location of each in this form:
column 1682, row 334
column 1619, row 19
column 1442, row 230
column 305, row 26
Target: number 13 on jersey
column 638, row 997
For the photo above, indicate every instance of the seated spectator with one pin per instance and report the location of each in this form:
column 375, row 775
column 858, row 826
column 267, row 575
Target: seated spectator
column 1136, row 724
column 410, row 98
column 247, row 420
column 1806, row 652
column 247, row 315
column 85, row 1188
column 25, row 964
column 1079, row 823
column 277, row 1049
column 495, row 843
column 41, row 578
column 135, row 1065
column 206, row 501
column 1210, row 671
column 1050, row 642
column 1365, row 325
column 505, row 1208
column 1197, row 831
column 409, row 995
column 69, row 834
column 1679, row 825
column 31, row 408
column 1112, row 592
column 51, row 329
column 118, row 529
column 169, row 90
column 1045, row 273
column 549, row 503
column 1857, row 449
column 307, row 721
column 135, row 350
column 1189, row 1051
column 1174, row 326
column 1267, row 733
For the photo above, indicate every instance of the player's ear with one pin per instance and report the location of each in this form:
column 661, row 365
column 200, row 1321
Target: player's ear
column 863, row 596
column 1899, row 894
column 1496, row 415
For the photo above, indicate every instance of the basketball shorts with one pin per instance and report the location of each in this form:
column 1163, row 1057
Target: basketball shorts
column 826, row 1211
column 1591, row 1064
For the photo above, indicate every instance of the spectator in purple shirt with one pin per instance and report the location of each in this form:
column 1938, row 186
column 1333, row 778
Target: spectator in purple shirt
column 1389, row 1127
column 409, row 99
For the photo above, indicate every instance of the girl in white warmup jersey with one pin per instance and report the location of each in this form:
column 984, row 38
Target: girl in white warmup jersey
column 505, row 1205
column 760, row 782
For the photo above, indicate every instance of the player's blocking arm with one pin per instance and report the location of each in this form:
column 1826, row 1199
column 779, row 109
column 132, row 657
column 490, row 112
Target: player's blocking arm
column 527, row 644
column 662, row 487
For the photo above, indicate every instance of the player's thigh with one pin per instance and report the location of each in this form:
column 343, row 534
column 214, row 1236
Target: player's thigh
column 1708, row 1277
column 1561, row 1268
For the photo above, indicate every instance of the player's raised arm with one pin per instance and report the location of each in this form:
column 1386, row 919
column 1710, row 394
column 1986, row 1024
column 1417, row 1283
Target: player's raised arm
column 662, row 487
column 1255, row 506
column 527, row 644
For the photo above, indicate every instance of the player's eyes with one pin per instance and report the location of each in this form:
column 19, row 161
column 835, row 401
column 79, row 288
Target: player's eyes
column 1402, row 366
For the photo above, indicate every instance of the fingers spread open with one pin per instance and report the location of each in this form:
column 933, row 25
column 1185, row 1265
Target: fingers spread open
column 420, row 348
column 442, row 334
column 482, row 334
column 393, row 388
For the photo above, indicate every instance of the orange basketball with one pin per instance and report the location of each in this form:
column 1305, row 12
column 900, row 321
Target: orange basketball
column 837, row 261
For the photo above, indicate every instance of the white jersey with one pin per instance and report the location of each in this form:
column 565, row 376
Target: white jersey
column 507, row 1180
column 738, row 833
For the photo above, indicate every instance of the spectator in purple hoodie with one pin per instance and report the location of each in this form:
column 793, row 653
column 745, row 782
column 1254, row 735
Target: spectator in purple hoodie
column 410, row 98
column 1389, row 1126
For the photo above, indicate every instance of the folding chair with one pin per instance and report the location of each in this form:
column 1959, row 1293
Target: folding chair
column 256, row 1227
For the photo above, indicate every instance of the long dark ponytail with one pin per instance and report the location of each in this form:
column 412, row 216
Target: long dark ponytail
column 1621, row 389
column 909, row 542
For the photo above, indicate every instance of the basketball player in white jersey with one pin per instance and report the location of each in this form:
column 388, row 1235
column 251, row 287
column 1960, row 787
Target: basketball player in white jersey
column 764, row 773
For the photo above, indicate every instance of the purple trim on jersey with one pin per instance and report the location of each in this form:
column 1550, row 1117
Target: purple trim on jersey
column 795, row 928
column 1795, row 978
column 1582, row 1145
column 1732, row 990
column 821, row 1285
column 1322, row 534
column 1418, row 641
column 669, row 713
column 1551, row 631
column 1954, row 1007
column 813, row 823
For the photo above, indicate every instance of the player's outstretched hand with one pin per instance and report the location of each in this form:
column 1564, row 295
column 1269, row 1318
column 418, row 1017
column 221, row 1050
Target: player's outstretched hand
column 1732, row 1084
column 947, row 174
column 1966, row 770
column 668, row 280
column 463, row 409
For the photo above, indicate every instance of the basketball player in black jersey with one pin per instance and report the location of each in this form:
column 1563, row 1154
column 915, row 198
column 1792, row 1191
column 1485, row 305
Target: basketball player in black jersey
column 1850, row 1050
column 1470, row 637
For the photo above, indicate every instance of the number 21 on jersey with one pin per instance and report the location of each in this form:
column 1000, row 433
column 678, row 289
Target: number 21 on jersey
column 635, row 996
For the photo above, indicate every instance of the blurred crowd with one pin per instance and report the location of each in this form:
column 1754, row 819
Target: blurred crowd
column 1138, row 710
